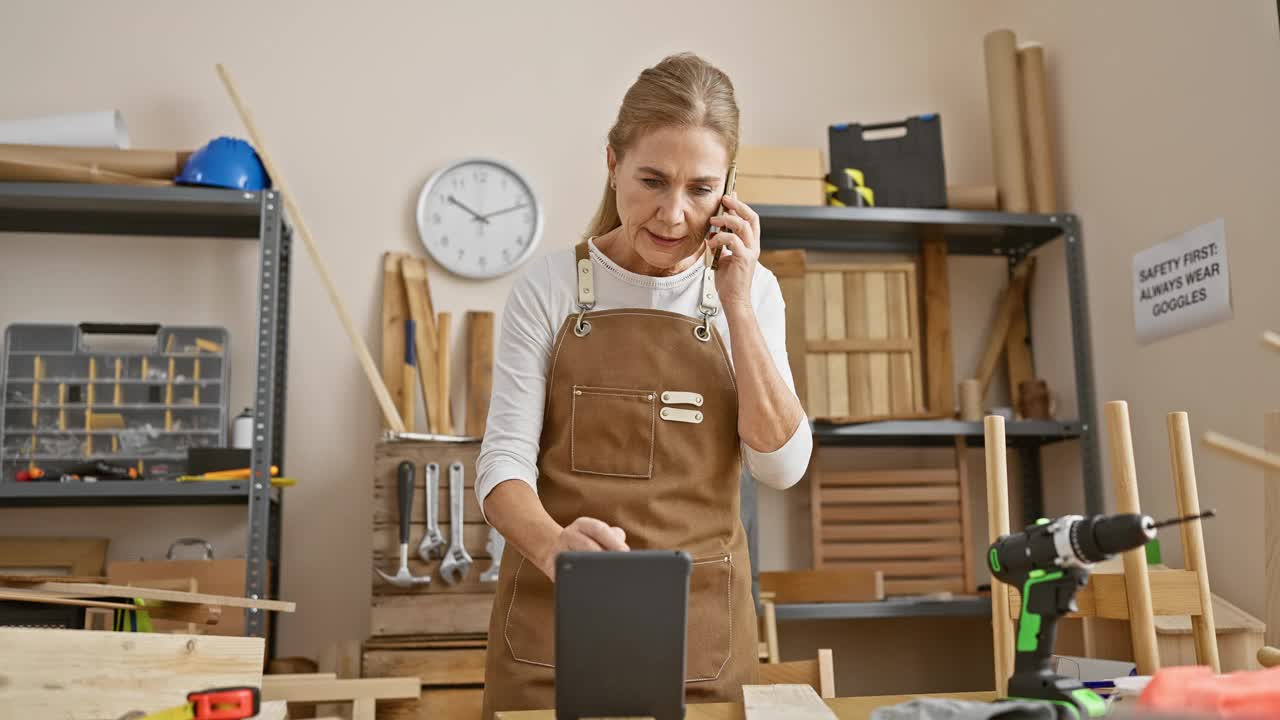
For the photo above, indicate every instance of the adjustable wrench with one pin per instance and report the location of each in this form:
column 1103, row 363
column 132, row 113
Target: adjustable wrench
column 432, row 544
column 456, row 561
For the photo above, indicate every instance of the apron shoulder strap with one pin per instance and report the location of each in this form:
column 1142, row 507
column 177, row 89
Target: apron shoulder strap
column 586, row 283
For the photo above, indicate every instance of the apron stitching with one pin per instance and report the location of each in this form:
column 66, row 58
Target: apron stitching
column 506, row 630
column 729, row 606
column 573, row 435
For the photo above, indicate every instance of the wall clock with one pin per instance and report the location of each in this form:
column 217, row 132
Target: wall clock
column 479, row 218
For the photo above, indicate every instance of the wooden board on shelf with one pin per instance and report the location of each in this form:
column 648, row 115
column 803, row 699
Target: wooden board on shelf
column 451, row 666
column 826, row 585
column 862, row 342
column 436, row 613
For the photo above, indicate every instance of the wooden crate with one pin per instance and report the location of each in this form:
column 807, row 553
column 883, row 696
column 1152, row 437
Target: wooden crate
column 452, row 673
column 862, row 343
column 438, row 608
column 912, row 525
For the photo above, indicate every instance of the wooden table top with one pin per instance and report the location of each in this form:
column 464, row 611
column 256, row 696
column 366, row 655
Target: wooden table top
column 849, row 708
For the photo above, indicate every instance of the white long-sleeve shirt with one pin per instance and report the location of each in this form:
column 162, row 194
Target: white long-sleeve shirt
column 544, row 295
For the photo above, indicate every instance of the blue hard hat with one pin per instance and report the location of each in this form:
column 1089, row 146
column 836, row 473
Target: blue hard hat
column 225, row 162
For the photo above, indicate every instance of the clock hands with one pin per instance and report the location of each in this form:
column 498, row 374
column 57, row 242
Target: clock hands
column 475, row 215
column 505, row 210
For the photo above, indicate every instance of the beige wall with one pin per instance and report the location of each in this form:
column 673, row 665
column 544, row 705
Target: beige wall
column 360, row 107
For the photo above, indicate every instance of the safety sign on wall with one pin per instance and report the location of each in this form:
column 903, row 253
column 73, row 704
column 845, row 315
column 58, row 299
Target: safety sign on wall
column 1182, row 283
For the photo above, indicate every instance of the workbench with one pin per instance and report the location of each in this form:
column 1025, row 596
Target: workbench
column 848, row 708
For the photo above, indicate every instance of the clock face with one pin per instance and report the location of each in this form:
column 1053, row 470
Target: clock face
column 479, row 218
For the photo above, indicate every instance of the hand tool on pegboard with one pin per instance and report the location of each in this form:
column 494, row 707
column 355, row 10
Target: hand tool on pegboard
column 404, row 497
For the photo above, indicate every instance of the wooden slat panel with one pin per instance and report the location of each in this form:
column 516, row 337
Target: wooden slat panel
column 386, row 510
column 855, row 294
column 844, row 478
column 433, row 667
column 864, row 345
column 430, row 614
column 936, row 333
column 815, row 319
column 890, row 513
column 793, row 299
column 859, row 267
column 905, row 568
column 891, row 550
column 837, row 363
column 877, row 328
column 436, row 704
column 78, row 675
column 387, row 455
column 962, row 477
column 893, row 531
column 891, row 495
column 831, row 585
column 923, row 586
column 784, row 263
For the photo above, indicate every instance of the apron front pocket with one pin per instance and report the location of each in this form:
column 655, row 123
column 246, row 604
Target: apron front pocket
column 611, row 431
column 709, row 636
column 530, row 617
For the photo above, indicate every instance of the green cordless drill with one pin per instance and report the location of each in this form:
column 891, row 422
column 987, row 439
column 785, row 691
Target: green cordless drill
column 1049, row 562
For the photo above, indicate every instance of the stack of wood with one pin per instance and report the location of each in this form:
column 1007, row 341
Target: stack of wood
column 436, row 632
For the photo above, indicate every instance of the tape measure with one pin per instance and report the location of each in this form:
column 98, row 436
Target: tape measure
column 232, row 703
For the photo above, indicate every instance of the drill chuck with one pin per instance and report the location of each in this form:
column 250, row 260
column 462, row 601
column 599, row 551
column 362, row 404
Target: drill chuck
column 1099, row 537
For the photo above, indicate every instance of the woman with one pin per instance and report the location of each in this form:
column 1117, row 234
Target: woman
column 626, row 394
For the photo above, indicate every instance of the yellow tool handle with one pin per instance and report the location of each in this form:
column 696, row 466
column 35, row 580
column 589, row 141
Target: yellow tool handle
column 237, row 474
column 276, row 481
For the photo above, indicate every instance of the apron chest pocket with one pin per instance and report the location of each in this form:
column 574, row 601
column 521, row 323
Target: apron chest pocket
column 611, row 431
column 709, row 637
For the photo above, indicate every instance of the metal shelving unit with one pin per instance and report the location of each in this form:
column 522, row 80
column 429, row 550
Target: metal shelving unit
column 184, row 212
column 1008, row 236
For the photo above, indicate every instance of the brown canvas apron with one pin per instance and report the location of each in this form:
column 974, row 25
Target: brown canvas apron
column 640, row 431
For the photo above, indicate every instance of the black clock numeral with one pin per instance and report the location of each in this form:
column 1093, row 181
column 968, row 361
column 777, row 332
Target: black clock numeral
column 527, row 216
column 480, row 176
column 435, row 218
column 483, row 261
column 506, row 255
column 444, row 240
column 461, row 252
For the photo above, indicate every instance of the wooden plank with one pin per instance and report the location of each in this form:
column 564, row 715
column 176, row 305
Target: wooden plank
column 890, row 513
column 1000, row 327
column 845, row 478
column 78, row 675
column 386, row 511
column 440, row 703
column 428, row 642
column 423, row 313
column 913, row 332
column 890, row 495
column 1017, row 351
column 878, row 328
column 893, row 531
column 1271, row 531
column 395, row 310
column 837, row 363
column 1173, row 592
column 432, row 667
column 890, row 550
column 815, row 315
column 905, row 568
column 803, row 672
column 784, row 263
column 444, row 341
column 380, row 688
column 873, row 418
column 816, row 511
column 479, row 370
column 78, row 556
column 793, row 299
column 855, row 297
column 923, row 586
column 860, row 267
column 966, row 528
column 430, row 614
column 104, row 590
column 939, row 368
column 901, row 398
column 784, row 702
column 864, row 345
column 828, row 585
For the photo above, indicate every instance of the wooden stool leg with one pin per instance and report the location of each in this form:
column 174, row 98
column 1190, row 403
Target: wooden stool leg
column 1271, row 530
column 771, row 629
column 1137, row 581
column 1181, row 459
column 363, row 709
column 997, row 525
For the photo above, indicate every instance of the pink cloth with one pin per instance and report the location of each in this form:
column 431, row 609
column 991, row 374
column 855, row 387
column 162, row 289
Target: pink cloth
column 1234, row 695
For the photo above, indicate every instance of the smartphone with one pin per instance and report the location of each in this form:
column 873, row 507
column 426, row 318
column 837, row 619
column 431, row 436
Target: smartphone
column 729, row 182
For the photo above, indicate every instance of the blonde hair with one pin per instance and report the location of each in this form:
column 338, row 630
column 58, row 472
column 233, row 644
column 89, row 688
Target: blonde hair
column 681, row 91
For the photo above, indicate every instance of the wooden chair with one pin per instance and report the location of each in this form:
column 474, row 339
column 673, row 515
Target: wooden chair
column 811, row 586
column 1127, row 596
column 818, row 673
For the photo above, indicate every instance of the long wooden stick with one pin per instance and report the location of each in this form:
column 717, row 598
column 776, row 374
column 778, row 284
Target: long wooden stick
column 199, row 614
column 389, row 412
column 1271, row 338
column 1137, row 580
column 997, row 525
column 90, row 590
column 1181, row 459
column 1004, row 318
column 1242, row 451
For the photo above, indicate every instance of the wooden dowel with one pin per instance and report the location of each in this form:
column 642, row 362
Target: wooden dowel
column 389, row 412
column 1271, row 531
column 444, row 324
column 1181, row 459
column 1242, row 451
column 997, row 525
column 1272, row 339
column 1137, row 581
